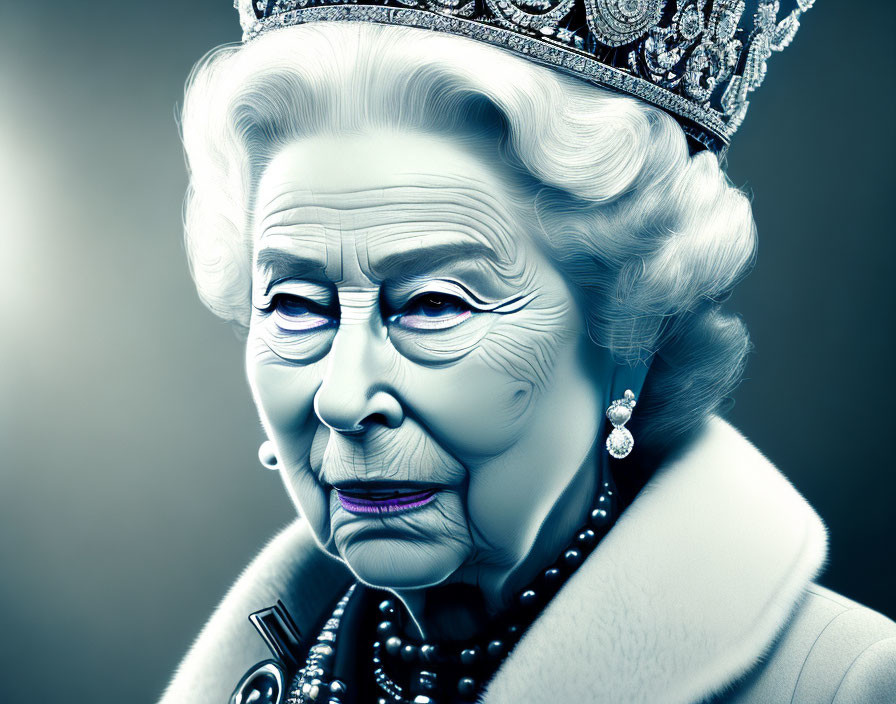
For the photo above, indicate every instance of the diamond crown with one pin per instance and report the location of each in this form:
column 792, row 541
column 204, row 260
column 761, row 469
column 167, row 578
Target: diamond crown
column 697, row 59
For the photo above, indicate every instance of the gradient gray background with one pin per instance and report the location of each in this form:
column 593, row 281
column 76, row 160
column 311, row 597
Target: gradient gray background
column 130, row 494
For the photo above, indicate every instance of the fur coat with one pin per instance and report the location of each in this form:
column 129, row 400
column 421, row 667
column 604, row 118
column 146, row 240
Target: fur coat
column 701, row 592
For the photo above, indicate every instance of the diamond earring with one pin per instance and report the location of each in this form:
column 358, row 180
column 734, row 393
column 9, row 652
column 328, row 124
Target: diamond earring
column 267, row 455
column 620, row 441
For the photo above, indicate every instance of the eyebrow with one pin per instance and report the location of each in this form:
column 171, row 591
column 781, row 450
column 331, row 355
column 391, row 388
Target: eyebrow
column 278, row 264
column 419, row 260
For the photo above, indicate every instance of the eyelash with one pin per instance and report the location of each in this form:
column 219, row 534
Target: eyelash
column 435, row 322
column 404, row 317
column 323, row 313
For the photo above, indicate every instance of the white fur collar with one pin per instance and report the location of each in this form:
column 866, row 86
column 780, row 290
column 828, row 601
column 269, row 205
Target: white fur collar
column 686, row 592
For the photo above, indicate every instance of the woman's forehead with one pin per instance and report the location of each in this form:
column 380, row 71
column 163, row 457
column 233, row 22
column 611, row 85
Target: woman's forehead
column 342, row 164
column 338, row 204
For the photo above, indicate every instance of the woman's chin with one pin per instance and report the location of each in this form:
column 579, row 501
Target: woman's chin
column 399, row 563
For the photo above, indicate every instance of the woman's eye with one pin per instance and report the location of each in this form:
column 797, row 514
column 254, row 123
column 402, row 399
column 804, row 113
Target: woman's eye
column 294, row 313
column 433, row 311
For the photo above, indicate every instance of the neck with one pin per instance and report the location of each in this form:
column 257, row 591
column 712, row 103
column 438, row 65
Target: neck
column 462, row 609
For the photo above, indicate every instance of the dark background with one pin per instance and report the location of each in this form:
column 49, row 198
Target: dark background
column 130, row 494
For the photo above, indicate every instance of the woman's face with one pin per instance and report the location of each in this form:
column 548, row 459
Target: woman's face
column 421, row 367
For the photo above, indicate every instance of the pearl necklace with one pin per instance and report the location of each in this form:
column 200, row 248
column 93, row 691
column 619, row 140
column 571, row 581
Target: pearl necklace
column 442, row 673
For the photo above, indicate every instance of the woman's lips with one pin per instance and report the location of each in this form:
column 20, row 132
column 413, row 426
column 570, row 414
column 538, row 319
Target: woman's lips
column 380, row 499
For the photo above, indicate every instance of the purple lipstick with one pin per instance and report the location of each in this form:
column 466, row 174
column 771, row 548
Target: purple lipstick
column 379, row 499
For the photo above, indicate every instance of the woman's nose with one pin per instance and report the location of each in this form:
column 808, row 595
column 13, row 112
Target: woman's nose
column 357, row 391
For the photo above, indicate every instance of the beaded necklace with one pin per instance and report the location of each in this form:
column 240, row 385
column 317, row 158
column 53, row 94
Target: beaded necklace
column 313, row 682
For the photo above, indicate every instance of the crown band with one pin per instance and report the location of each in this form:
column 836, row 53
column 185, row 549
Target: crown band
column 691, row 59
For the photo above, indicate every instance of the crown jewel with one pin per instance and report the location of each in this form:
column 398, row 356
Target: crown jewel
column 697, row 59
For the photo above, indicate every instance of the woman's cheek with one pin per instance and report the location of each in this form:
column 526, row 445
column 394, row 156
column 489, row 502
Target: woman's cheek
column 481, row 404
column 472, row 410
column 284, row 394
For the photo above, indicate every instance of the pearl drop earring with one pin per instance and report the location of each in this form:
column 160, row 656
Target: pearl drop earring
column 267, row 455
column 620, row 441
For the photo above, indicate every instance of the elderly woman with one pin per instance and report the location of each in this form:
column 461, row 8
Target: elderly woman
column 481, row 301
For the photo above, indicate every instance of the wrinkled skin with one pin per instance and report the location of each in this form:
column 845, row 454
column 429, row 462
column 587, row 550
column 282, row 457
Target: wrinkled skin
column 406, row 327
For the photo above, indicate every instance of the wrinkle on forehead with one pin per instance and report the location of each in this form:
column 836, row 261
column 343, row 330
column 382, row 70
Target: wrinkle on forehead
column 364, row 229
column 458, row 201
column 423, row 182
column 365, row 198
